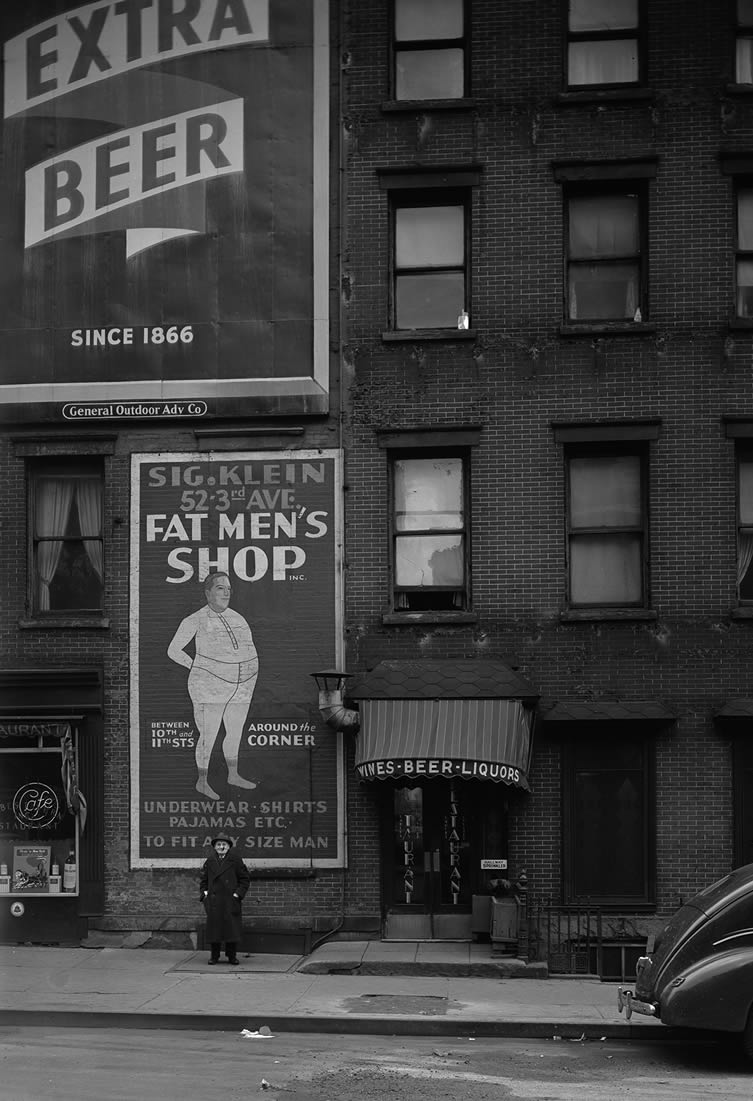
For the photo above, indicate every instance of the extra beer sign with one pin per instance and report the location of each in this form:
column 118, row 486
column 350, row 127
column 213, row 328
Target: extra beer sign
column 70, row 192
column 166, row 167
column 98, row 41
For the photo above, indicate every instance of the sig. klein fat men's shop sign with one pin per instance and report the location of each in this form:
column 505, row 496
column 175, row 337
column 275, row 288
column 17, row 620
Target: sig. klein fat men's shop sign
column 235, row 598
column 164, row 208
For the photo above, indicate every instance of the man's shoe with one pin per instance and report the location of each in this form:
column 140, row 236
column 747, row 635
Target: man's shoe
column 212, row 961
column 234, row 960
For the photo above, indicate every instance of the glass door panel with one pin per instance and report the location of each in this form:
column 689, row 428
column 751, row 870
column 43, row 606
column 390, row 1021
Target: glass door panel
column 430, row 848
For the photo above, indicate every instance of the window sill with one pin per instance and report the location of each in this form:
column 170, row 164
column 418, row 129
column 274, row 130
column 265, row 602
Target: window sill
column 392, row 106
column 605, row 615
column 605, row 95
column 733, row 89
column 741, row 323
column 282, row 873
column 46, row 623
column 612, row 906
column 607, row 328
column 407, row 619
column 410, row 336
column 742, row 612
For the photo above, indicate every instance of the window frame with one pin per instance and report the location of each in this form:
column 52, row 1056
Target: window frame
column 742, row 184
column 743, row 454
column 602, row 450
column 742, row 798
column 425, row 44
column 83, row 466
column 599, row 190
column 395, row 455
column 432, row 196
column 34, row 752
column 742, row 30
column 607, row 736
column 638, row 33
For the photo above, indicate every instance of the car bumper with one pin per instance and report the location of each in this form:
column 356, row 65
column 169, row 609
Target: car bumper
column 627, row 1000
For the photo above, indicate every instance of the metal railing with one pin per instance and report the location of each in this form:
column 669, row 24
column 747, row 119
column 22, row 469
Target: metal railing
column 567, row 938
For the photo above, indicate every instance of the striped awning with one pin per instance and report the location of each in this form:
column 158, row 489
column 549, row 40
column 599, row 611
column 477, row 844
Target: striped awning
column 477, row 739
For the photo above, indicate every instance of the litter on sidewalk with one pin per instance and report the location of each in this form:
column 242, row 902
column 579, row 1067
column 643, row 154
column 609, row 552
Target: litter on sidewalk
column 261, row 1034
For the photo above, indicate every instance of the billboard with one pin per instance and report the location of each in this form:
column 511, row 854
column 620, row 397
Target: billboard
column 164, row 209
column 235, row 601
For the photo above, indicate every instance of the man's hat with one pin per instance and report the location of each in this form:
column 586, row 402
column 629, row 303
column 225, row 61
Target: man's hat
column 222, row 838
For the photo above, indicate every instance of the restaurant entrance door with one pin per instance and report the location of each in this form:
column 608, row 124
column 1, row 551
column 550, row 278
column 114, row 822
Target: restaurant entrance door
column 430, row 831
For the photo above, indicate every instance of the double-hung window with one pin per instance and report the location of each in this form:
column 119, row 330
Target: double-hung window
column 607, row 527
column 744, row 43
column 430, row 260
column 66, row 548
column 744, row 253
column 603, row 46
column 429, row 49
column 429, row 532
column 605, row 254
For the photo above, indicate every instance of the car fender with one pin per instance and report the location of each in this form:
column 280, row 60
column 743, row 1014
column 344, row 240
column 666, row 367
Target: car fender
column 715, row 992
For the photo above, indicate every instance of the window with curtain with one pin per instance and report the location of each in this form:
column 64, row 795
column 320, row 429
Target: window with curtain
column 429, row 533
column 606, row 528
column 430, row 263
column 67, row 557
column 745, row 527
column 603, row 45
column 744, row 253
column 608, row 828
column 744, row 42
column 429, row 49
column 604, row 256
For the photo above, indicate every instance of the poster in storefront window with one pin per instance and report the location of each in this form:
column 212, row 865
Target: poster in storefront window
column 164, row 209
column 235, row 601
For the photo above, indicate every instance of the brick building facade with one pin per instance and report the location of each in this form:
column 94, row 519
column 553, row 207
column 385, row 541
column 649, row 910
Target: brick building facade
column 545, row 121
column 539, row 350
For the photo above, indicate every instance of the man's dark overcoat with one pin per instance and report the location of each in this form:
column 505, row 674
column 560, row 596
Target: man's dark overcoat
column 221, row 879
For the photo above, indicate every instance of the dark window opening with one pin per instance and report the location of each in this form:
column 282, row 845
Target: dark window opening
column 67, row 555
column 608, row 821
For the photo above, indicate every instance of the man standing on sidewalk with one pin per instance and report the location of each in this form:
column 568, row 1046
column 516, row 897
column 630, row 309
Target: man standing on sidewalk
column 224, row 882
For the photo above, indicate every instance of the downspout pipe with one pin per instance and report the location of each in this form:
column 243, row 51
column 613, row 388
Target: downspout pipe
column 335, row 714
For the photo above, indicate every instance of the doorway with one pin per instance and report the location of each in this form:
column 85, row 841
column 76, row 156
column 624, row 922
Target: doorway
column 430, row 836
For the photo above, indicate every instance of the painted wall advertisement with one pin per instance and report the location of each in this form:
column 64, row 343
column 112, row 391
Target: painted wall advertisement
column 235, row 598
column 164, row 209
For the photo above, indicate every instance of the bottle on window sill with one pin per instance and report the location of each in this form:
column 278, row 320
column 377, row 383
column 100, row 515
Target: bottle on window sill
column 69, row 872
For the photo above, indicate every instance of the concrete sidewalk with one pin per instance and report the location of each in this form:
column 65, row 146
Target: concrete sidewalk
column 153, row 988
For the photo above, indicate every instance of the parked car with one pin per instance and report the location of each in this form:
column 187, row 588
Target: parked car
column 699, row 971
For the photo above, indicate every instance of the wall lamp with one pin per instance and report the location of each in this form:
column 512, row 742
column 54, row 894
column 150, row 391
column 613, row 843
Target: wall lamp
column 331, row 684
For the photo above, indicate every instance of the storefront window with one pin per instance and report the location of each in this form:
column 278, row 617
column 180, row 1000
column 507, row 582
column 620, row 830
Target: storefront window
column 38, row 831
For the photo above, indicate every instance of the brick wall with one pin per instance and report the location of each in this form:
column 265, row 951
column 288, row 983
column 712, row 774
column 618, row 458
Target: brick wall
column 520, row 374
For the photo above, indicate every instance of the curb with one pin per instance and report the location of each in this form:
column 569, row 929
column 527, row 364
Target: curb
column 489, row 970
column 357, row 1026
